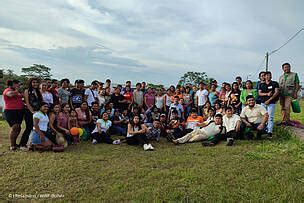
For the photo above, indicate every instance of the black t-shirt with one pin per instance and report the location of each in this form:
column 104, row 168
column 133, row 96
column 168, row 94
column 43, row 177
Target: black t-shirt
column 266, row 88
column 115, row 99
column 77, row 97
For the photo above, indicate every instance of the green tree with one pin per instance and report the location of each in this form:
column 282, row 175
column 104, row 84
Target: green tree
column 37, row 70
column 194, row 78
column 9, row 74
column 155, row 86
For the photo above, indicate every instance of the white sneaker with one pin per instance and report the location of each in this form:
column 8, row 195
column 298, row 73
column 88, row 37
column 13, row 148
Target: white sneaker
column 94, row 141
column 146, row 147
column 150, row 147
column 116, row 142
column 23, row 148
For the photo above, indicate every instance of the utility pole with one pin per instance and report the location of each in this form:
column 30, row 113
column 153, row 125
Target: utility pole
column 267, row 56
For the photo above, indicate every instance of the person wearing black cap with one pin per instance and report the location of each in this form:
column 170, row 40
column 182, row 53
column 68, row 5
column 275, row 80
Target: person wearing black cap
column 77, row 94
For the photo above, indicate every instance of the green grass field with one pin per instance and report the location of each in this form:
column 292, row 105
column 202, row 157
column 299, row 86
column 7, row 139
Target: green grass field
column 269, row 170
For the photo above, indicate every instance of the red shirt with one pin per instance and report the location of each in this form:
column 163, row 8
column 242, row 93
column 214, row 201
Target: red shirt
column 128, row 96
column 12, row 103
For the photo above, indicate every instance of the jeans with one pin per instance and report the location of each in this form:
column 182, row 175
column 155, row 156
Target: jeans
column 116, row 129
column 270, row 109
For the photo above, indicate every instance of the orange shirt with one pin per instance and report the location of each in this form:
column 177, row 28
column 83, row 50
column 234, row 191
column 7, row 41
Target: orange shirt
column 192, row 122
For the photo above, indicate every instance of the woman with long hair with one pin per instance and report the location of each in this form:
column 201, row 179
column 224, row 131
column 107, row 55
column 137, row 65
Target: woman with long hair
column 136, row 134
column 33, row 100
column 38, row 134
column 13, row 110
column 84, row 117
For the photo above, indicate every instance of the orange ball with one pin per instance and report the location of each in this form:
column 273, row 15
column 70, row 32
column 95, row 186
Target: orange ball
column 74, row 131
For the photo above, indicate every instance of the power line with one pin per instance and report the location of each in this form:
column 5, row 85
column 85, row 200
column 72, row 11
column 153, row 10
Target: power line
column 272, row 52
column 258, row 69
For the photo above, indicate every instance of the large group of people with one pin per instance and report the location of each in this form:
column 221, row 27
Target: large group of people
column 142, row 115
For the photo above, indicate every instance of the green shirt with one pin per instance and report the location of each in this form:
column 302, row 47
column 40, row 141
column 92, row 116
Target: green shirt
column 245, row 93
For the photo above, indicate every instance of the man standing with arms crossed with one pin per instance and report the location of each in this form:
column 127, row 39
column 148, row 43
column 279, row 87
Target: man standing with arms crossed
column 289, row 86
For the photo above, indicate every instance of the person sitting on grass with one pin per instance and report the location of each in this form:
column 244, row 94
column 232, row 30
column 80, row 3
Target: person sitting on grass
column 155, row 131
column 101, row 132
column 73, row 123
column 137, row 134
column 254, row 116
column 210, row 116
column 193, row 121
column 118, row 124
column 232, row 122
column 204, row 133
column 175, row 127
column 84, row 117
column 38, row 135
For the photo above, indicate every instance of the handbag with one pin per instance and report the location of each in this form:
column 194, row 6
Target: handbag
column 295, row 105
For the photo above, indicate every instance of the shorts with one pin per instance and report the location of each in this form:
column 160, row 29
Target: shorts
column 13, row 116
column 35, row 138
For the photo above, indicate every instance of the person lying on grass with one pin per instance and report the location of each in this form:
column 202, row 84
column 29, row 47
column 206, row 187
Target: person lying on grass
column 38, row 135
column 204, row 133
column 231, row 131
column 137, row 134
column 254, row 116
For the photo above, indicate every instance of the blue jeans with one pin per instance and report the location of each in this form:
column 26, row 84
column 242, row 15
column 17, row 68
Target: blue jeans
column 116, row 129
column 270, row 109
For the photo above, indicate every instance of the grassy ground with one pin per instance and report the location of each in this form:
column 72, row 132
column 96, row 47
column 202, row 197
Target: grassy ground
column 269, row 170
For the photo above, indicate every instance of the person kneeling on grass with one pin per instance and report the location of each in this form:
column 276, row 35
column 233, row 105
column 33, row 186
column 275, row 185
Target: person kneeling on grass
column 101, row 132
column 38, row 137
column 212, row 129
column 254, row 116
column 137, row 134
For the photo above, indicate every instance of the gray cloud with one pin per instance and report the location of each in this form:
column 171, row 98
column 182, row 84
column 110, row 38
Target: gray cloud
column 150, row 40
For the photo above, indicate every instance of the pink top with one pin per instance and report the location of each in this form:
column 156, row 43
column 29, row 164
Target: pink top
column 150, row 98
column 81, row 115
column 62, row 120
column 12, row 103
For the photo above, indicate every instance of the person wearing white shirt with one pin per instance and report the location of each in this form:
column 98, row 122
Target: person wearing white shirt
column 91, row 94
column 232, row 123
column 254, row 116
column 201, row 98
column 38, row 134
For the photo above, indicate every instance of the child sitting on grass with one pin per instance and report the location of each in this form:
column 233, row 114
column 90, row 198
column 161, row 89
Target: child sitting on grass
column 154, row 131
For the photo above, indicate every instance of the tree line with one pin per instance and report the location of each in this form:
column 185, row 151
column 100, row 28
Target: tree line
column 43, row 72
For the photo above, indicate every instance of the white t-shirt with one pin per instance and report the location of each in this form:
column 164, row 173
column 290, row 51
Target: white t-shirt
column 212, row 129
column 202, row 96
column 104, row 125
column 168, row 100
column 135, row 129
column 230, row 123
column 159, row 102
column 43, row 120
column 47, row 97
column 92, row 94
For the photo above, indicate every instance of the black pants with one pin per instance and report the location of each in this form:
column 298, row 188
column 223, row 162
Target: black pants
column 231, row 134
column 138, row 139
column 28, row 118
column 255, row 128
column 102, row 138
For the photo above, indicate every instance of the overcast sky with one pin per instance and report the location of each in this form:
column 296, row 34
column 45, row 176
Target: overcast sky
column 154, row 41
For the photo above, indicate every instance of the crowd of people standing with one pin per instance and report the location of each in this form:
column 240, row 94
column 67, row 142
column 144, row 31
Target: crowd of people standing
column 141, row 115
